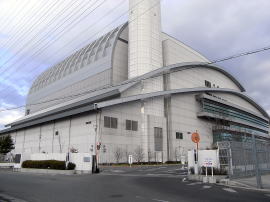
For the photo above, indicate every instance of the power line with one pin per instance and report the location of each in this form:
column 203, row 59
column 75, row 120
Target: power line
column 50, row 31
column 58, row 38
column 8, row 22
column 61, row 32
column 22, row 35
column 20, row 23
column 135, row 80
column 94, row 35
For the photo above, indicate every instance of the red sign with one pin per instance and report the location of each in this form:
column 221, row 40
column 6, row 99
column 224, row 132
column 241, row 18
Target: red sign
column 195, row 137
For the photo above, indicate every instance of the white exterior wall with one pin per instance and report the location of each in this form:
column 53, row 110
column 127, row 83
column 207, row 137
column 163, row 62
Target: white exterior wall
column 47, row 136
column 73, row 132
column 120, row 59
column 175, row 51
column 82, row 135
column 146, row 86
column 31, row 140
column 184, row 119
column 145, row 47
column 56, row 91
column 195, row 77
column 238, row 101
column 19, row 141
column 62, row 127
column 112, row 138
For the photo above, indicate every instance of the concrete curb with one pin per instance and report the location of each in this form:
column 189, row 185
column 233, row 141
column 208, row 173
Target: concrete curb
column 47, row 171
column 228, row 183
column 242, row 186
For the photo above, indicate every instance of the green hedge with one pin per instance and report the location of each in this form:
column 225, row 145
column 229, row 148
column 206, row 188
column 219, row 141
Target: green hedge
column 71, row 166
column 46, row 164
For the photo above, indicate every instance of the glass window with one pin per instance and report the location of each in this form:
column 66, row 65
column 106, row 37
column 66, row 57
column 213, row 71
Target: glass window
column 110, row 122
column 135, row 125
column 131, row 125
column 113, row 122
column 158, row 139
column 128, row 124
column 179, row 135
column 207, row 84
column 107, row 122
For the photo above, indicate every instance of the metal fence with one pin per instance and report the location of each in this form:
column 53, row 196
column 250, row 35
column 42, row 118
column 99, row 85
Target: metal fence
column 245, row 159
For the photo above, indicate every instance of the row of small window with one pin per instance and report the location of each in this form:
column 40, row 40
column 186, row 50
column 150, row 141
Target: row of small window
column 111, row 122
column 209, row 85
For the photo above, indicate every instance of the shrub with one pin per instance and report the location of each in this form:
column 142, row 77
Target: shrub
column 71, row 166
column 46, row 164
column 173, row 162
column 191, row 170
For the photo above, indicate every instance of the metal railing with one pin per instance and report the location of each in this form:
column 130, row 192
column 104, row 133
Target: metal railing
column 245, row 159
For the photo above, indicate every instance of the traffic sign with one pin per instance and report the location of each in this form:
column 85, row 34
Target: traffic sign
column 195, row 137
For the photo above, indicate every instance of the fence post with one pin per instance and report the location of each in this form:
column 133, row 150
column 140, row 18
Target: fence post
column 257, row 169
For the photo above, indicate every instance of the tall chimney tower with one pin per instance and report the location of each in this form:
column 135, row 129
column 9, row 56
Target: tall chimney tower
column 145, row 46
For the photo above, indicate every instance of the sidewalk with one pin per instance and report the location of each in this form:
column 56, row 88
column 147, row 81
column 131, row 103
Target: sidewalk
column 252, row 182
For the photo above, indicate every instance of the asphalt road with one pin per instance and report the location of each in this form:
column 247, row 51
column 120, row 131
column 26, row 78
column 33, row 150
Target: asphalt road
column 156, row 171
column 110, row 186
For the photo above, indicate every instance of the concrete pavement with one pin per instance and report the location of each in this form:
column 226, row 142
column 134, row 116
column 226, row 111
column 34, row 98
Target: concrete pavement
column 252, row 182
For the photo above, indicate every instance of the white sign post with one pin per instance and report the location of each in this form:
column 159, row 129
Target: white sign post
column 208, row 162
column 130, row 160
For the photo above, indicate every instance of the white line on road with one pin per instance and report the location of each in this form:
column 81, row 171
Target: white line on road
column 159, row 200
column 206, row 187
column 194, row 183
column 118, row 171
column 10, row 198
column 229, row 190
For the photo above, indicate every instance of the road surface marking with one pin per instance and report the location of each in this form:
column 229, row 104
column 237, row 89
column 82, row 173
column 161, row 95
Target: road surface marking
column 159, row 200
column 206, row 187
column 140, row 197
column 10, row 198
column 118, row 171
column 194, row 183
column 229, row 190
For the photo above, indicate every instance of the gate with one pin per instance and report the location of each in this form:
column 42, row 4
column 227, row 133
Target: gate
column 245, row 159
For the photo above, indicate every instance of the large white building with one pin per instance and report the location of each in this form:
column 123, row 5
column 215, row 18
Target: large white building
column 136, row 87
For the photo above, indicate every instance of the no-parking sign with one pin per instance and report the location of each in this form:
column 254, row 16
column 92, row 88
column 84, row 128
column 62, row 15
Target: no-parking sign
column 208, row 162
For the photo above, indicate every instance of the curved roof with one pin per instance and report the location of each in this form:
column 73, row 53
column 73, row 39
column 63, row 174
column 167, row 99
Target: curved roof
column 182, row 91
column 91, row 53
column 183, row 66
column 90, row 103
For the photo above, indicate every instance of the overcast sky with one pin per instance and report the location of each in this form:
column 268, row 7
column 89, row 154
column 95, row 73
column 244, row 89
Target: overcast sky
column 35, row 34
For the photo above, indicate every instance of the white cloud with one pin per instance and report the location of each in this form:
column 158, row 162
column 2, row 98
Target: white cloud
column 8, row 116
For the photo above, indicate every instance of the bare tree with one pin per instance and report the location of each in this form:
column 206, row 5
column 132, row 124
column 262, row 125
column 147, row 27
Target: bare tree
column 176, row 153
column 150, row 156
column 118, row 154
column 126, row 154
column 138, row 154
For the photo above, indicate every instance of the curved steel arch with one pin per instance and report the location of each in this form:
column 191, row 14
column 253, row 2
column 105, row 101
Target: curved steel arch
column 183, row 91
column 66, row 67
